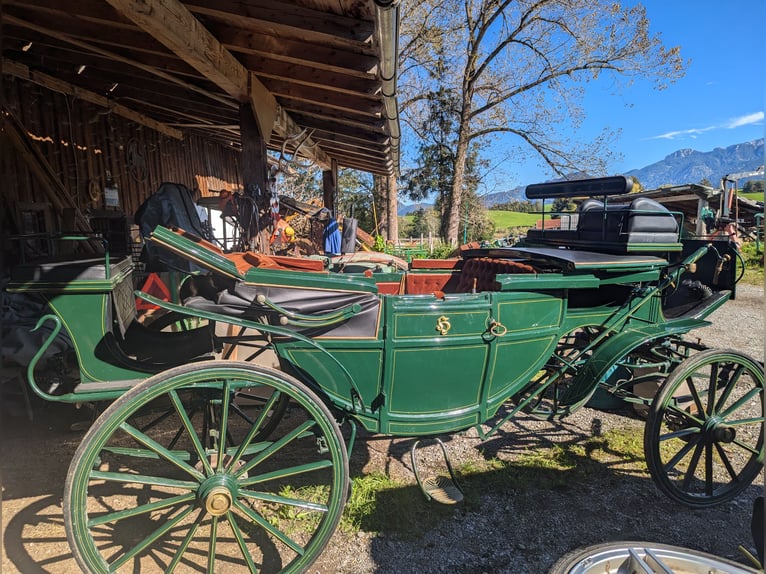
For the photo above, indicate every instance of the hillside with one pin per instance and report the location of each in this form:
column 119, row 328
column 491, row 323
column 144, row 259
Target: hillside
column 691, row 166
column 680, row 167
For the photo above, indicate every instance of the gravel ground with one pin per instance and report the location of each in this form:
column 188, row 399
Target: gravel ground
column 520, row 530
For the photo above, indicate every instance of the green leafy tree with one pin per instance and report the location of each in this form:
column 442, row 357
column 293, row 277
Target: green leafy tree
column 517, row 68
column 753, row 186
column 355, row 198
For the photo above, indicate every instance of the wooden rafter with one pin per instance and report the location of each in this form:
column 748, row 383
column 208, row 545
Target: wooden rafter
column 171, row 23
column 117, row 57
column 23, row 72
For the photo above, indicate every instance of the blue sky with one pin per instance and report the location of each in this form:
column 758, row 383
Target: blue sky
column 717, row 103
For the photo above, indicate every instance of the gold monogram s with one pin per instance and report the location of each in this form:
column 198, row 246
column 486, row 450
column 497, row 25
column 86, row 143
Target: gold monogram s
column 443, row 325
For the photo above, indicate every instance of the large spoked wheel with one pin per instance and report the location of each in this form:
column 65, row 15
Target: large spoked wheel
column 646, row 557
column 704, row 436
column 173, row 478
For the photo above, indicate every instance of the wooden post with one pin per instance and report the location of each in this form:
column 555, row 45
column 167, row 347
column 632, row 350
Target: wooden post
column 254, row 158
column 330, row 186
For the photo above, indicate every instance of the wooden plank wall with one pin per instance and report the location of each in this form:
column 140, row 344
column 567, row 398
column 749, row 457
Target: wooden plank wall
column 83, row 142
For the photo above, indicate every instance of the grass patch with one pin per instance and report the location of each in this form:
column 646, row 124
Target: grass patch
column 753, row 276
column 380, row 504
column 506, row 219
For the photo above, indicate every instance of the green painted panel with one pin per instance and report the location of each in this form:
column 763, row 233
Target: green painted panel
column 457, row 323
column 530, row 314
column 514, row 363
column 83, row 316
column 437, row 379
column 364, row 365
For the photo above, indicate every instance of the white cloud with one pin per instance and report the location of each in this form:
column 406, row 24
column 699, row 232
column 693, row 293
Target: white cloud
column 744, row 120
column 731, row 124
column 675, row 135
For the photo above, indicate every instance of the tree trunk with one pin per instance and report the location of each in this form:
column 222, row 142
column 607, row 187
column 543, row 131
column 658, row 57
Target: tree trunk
column 454, row 206
column 380, row 204
column 392, row 211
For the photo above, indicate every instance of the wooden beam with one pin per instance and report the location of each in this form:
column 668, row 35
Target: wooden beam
column 289, row 20
column 254, row 159
column 171, row 23
column 96, row 50
column 330, row 186
column 21, row 71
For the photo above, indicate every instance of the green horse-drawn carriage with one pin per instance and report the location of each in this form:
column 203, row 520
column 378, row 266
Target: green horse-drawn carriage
column 201, row 462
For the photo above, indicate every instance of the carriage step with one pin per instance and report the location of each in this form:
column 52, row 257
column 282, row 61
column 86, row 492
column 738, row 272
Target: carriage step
column 442, row 489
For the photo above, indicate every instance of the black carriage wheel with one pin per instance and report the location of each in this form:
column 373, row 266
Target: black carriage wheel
column 704, row 437
column 218, row 496
column 643, row 557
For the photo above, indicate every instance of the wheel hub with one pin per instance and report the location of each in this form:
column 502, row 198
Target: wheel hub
column 724, row 433
column 218, row 502
column 217, row 494
column 718, row 431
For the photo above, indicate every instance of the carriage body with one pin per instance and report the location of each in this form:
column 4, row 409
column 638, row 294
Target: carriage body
column 438, row 348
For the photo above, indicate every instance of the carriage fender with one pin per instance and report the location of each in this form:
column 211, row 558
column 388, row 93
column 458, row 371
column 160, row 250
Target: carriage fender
column 617, row 346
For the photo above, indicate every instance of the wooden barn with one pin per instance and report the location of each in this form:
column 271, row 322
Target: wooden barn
column 103, row 100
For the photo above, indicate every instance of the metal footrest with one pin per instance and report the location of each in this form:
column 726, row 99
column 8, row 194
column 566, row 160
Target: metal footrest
column 442, row 489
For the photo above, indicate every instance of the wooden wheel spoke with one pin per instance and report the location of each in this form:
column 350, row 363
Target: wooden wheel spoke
column 730, row 385
column 285, row 472
column 695, row 395
column 239, row 537
column 741, row 401
column 263, row 523
column 275, row 447
column 692, row 466
column 712, row 385
column 253, row 430
column 187, row 424
column 726, row 463
column 211, row 546
column 680, row 433
column 678, row 457
column 686, row 415
column 161, row 450
column 142, row 509
column 131, row 478
column 296, row 502
column 150, row 539
column 709, row 469
column 181, row 550
column 224, row 423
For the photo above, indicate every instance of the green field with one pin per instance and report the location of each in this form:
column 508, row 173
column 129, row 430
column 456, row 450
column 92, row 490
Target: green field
column 505, row 219
column 756, row 196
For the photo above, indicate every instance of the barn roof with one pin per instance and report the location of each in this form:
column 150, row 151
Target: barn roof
column 325, row 69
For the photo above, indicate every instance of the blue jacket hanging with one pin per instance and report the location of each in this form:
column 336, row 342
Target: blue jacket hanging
column 331, row 237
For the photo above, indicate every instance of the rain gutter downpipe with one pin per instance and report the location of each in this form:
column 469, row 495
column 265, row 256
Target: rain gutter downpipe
column 387, row 21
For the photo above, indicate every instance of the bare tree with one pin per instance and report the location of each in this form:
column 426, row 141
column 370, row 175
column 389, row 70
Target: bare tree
column 518, row 67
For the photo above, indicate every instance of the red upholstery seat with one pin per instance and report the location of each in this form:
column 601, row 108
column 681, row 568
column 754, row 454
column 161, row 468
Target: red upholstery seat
column 479, row 273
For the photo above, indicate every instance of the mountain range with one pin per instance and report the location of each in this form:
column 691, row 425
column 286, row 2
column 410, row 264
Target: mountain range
column 680, row 167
